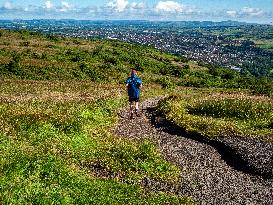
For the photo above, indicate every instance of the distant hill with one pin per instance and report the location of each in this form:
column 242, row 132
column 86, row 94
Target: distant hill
column 18, row 23
column 30, row 55
column 35, row 56
column 226, row 43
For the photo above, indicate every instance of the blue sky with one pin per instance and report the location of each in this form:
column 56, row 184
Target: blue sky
column 215, row 10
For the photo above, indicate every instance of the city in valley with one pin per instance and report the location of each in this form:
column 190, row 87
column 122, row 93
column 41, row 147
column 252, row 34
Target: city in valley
column 229, row 44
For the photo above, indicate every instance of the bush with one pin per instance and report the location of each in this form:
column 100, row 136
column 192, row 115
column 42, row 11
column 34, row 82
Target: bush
column 14, row 65
column 77, row 41
column 166, row 83
column 77, row 57
column 25, row 43
column 53, row 38
column 90, row 72
column 110, row 59
column 263, row 86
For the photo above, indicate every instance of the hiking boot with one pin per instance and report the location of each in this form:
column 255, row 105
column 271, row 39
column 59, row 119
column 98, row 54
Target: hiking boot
column 131, row 116
column 137, row 113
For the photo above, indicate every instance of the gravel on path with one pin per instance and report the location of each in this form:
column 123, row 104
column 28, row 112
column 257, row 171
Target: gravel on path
column 206, row 176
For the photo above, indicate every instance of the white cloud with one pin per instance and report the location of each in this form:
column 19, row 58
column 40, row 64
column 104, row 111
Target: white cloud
column 232, row 13
column 30, row 8
column 118, row 5
column 131, row 9
column 170, row 6
column 48, row 5
column 66, row 6
column 251, row 11
column 8, row 5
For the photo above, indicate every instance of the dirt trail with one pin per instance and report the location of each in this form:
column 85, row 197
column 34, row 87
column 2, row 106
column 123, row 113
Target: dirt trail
column 206, row 175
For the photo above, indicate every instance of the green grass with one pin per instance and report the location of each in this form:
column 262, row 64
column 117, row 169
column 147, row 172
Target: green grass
column 51, row 135
column 31, row 56
column 46, row 179
column 265, row 44
column 27, row 55
column 55, row 130
column 213, row 114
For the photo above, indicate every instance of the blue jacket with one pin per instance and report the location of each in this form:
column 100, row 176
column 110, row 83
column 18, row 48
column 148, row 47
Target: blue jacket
column 134, row 84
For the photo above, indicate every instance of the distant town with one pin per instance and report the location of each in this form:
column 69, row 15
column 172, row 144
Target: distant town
column 229, row 44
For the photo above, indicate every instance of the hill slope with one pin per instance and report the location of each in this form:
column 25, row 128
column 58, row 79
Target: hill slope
column 55, row 139
column 33, row 56
column 29, row 55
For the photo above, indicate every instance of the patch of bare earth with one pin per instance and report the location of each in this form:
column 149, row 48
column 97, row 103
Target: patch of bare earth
column 210, row 175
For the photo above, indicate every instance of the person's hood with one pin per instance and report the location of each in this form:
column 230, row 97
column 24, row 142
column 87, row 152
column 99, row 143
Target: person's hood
column 133, row 75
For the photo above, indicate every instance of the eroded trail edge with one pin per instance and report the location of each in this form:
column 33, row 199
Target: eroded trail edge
column 212, row 173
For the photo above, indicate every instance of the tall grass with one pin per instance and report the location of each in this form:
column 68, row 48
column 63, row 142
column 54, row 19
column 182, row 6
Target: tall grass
column 236, row 109
column 221, row 114
column 48, row 146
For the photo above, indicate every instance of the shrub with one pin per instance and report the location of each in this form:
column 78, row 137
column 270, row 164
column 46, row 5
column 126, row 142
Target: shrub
column 14, row 65
column 53, row 38
column 25, row 43
column 77, row 41
column 97, row 50
column 110, row 59
column 166, row 82
column 77, row 57
column 90, row 72
column 44, row 56
column 263, row 86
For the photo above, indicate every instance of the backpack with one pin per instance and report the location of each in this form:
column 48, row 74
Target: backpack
column 133, row 86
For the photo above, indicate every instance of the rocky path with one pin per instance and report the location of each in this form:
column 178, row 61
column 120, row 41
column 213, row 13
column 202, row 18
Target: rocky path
column 206, row 174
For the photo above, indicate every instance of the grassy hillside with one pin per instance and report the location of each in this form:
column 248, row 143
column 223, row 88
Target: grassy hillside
column 219, row 113
column 33, row 56
column 55, row 147
column 27, row 55
column 58, row 100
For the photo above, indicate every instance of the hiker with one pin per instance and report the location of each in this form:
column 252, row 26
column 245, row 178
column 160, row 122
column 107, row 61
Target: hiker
column 133, row 85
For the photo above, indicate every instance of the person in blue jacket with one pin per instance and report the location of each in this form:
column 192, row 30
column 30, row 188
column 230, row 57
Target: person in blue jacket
column 134, row 84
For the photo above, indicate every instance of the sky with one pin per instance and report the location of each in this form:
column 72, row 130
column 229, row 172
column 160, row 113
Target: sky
column 256, row 11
